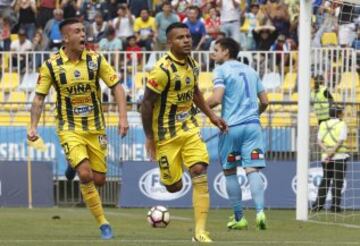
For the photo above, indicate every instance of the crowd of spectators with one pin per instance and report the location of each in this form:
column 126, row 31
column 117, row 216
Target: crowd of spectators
column 134, row 25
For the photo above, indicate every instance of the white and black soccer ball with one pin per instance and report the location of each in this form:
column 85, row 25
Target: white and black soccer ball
column 158, row 217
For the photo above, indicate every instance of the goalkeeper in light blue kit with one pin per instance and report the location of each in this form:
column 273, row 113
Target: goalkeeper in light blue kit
column 237, row 87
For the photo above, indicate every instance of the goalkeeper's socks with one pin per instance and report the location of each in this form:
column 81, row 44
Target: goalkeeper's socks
column 92, row 199
column 235, row 196
column 257, row 190
column 201, row 202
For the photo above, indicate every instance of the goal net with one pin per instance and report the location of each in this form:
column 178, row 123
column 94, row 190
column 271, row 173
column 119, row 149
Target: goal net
column 334, row 184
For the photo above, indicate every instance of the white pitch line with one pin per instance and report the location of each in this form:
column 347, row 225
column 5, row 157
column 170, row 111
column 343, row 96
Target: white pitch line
column 335, row 224
column 178, row 242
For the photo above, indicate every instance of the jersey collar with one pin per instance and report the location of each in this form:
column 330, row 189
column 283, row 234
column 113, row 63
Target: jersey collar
column 177, row 61
column 65, row 58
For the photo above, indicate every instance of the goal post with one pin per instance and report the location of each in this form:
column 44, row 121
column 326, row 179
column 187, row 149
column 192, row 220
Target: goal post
column 346, row 14
column 303, row 133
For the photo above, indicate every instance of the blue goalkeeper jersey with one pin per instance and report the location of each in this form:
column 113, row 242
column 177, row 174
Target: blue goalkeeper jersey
column 242, row 86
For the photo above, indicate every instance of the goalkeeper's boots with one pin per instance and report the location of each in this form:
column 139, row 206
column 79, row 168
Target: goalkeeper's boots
column 202, row 237
column 261, row 221
column 70, row 173
column 106, row 232
column 237, row 225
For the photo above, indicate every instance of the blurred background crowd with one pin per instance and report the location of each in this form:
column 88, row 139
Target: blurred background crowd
column 136, row 25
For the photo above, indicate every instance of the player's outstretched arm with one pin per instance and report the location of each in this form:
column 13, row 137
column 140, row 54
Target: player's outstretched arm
column 120, row 98
column 36, row 109
column 147, row 108
column 201, row 104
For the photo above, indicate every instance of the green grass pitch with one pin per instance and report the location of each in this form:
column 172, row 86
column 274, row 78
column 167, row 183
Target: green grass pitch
column 75, row 226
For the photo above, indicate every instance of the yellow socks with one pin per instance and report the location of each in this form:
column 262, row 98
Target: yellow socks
column 201, row 202
column 92, row 199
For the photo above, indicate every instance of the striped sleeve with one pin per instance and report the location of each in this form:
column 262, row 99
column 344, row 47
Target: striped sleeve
column 44, row 80
column 218, row 78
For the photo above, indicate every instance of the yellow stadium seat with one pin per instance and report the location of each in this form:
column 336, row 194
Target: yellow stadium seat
column 205, row 81
column 16, row 101
column 140, row 80
column 329, row 39
column 5, row 61
column 289, row 81
column 349, row 81
column 280, row 119
column 9, row 81
column 21, row 119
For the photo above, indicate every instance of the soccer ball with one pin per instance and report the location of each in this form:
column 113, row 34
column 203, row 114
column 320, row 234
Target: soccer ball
column 158, row 217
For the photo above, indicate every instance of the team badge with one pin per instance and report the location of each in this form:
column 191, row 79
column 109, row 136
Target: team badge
column 233, row 156
column 257, row 154
column 92, row 65
column 187, row 81
column 77, row 74
column 196, row 71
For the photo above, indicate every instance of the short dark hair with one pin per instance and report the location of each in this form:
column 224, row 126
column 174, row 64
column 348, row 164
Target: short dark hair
column 68, row 21
column 174, row 26
column 231, row 45
column 165, row 3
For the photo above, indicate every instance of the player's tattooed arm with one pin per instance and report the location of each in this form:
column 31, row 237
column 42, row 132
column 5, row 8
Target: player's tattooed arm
column 147, row 108
column 35, row 113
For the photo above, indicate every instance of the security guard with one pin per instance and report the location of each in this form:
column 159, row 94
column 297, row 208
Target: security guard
column 322, row 99
column 331, row 139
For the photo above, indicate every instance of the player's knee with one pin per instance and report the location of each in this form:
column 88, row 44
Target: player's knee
column 84, row 172
column 198, row 169
column 99, row 179
column 174, row 187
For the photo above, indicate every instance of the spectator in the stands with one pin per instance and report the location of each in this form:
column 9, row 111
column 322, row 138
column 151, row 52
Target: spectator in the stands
column 356, row 42
column 38, row 44
column 264, row 37
column 5, row 32
column 196, row 27
column 279, row 16
column 110, row 42
column 52, row 30
column 163, row 20
column 89, row 8
column 46, row 12
column 212, row 23
column 7, row 11
column 180, row 7
column 99, row 27
column 136, row 6
column 144, row 29
column 123, row 24
column 69, row 7
column 22, row 44
column 230, row 18
column 251, row 18
column 26, row 10
column 132, row 46
column 88, row 28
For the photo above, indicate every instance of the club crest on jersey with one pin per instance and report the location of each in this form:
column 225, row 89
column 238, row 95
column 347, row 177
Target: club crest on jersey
column 187, row 81
column 233, row 156
column 103, row 141
column 77, row 74
column 196, row 71
column 92, row 65
column 257, row 154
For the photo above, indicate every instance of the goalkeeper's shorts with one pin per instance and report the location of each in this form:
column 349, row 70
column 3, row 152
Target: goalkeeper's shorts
column 243, row 146
column 79, row 146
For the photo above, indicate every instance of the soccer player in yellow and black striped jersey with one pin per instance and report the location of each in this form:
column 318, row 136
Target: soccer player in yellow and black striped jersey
column 75, row 74
column 172, row 131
